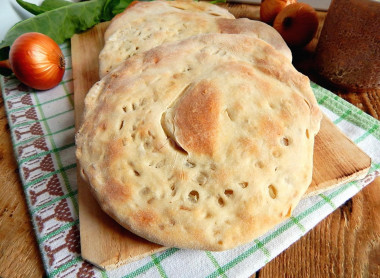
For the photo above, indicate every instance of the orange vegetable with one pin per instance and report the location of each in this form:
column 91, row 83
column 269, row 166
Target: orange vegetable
column 36, row 60
column 297, row 23
column 270, row 8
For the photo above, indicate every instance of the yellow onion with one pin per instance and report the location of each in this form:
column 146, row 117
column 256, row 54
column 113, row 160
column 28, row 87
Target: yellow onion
column 269, row 9
column 36, row 60
column 297, row 24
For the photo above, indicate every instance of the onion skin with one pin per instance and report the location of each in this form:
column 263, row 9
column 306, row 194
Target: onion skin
column 297, row 24
column 269, row 9
column 37, row 61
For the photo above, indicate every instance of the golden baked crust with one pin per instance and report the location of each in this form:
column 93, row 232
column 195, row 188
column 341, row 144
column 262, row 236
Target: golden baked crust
column 150, row 24
column 142, row 10
column 205, row 143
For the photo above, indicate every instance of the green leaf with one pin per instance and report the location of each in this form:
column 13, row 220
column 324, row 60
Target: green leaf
column 114, row 7
column 120, row 7
column 55, row 4
column 218, row 1
column 32, row 8
column 45, row 6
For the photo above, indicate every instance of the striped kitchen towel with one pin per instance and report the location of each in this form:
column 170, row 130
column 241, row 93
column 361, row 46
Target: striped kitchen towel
column 42, row 130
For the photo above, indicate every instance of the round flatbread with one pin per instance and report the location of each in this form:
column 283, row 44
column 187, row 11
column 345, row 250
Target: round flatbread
column 150, row 24
column 205, row 143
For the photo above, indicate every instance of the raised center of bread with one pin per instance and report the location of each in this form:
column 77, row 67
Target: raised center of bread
column 193, row 121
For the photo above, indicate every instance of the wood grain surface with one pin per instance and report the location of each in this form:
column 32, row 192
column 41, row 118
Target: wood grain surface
column 345, row 244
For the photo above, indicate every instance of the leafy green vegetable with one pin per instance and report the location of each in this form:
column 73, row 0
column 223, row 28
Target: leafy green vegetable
column 32, row 8
column 54, row 4
column 45, row 6
column 114, row 7
column 218, row 1
column 61, row 21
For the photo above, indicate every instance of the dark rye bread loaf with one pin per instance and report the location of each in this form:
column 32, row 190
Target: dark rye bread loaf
column 348, row 50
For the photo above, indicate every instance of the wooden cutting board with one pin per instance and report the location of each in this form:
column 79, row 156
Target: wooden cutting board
column 105, row 243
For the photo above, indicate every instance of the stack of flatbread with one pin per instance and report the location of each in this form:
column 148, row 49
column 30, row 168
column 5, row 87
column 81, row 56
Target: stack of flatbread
column 200, row 132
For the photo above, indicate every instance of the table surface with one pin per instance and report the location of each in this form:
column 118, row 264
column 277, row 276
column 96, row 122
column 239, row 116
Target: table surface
column 345, row 244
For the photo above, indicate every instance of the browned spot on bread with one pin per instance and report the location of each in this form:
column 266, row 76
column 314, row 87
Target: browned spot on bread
column 289, row 213
column 233, row 26
column 117, row 191
column 144, row 218
column 114, row 147
column 152, row 57
column 248, row 145
column 185, row 208
column 270, row 130
column 103, row 126
column 197, row 118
